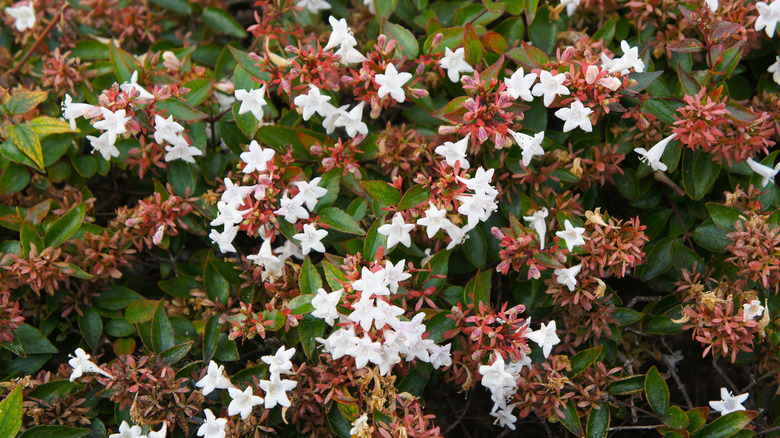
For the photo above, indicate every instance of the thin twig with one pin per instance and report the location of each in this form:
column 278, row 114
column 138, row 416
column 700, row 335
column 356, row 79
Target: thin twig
column 643, row 299
column 460, row 416
column 676, row 378
column 687, row 234
column 649, row 426
column 40, row 39
column 723, row 374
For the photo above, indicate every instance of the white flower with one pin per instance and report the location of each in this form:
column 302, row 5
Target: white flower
column 495, row 375
column 310, row 192
column 568, row 276
column 519, row 85
column 545, row 337
column 291, row 209
column 162, row 433
column 252, row 101
column 280, row 362
column 224, row 239
column 181, row 150
column 212, row 426
column 752, row 310
column 476, row 207
column 767, row 173
column 768, row 16
column 550, row 87
column 276, row 391
column 24, row 16
column 325, row 305
column 481, row 182
column 571, row 6
column 729, row 403
column 504, row 416
column 712, row 4
column 113, row 122
column 272, row 264
column 391, row 83
column 629, row 60
column 256, row 158
column 572, row 235
column 653, row 156
column 229, row 214
column 455, row 152
column 538, row 224
column 440, row 355
column 312, row 102
column 396, row 274
column 125, row 431
column 774, row 69
column 243, row 402
column 235, row 193
column 332, row 114
column 434, row 220
column 313, row 6
column 455, row 63
column 341, row 33
column 214, row 379
column 397, row 231
column 166, row 129
column 289, row 249
column 104, row 144
column 575, row 115
column 352, row 121
column 81, row 364
column 311, row 239
column 531, row 146
column 71, row 111
column 348, row 53
column 133, row 85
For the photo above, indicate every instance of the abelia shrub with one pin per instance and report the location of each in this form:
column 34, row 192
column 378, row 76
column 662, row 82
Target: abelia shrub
column 389, row 218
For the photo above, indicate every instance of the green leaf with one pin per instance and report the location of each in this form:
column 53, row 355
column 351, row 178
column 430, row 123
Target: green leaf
column 382, row 192
column 29, row 238
column 178, row 6
column 301, row 304
column 727, row 425
column 177, row 352
column 221, row 21
column 210, row 338
column 451, row 37
column 629, row 385
column 711, row 237
column 689, row 84
column 657, row 391
column 582, row 360
column 675, row 418
column 644, row 79
column 659, row 259
column 199, row 90
column 116, row 298
column 479, row 286
column 182, row 177
column 340, row 220
column 310, row 328
column 123, row 63
column 141, row 311
column 373, row 241
column 626, row 316
column 686, row 258
column 723, row 216
column 413, row 197
column 598, row 421
column 246, row 122
column 531, row 7
column 529, row 56
column 607, row 32
column 24, row 101
column 699, row 173
column 25, row 138
column 309, row 280
column 91, row 326
column 11, row 413
column 217, row 287
column 179, row 287
column 180, row 110
column 91, row 50
column 472, row 44
column 476, row 248
column 543, row 32
column 33, row 341
column 384, row 8
column 571, row 419
column 438, row 325
column 162, row 330
column 408, row 43
column 658, row 108
column 13, row 178
column 50, row 390
column 66, row 226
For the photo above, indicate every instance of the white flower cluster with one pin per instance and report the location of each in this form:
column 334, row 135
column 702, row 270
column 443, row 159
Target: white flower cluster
column 81, row 364
column 372, row 309
column 501, row 378
column 126, row 431
column 243, row 402
column 113, row 124
column 23, row 15
column 571, row 235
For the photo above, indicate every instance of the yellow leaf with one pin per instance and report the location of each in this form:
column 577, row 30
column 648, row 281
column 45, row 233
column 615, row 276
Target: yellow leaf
column 25, row 138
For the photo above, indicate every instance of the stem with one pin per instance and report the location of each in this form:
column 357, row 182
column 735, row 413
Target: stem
column 649, row 426
column 38, row 42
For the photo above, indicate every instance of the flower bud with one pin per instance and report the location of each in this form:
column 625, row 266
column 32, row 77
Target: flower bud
column 611, row 82
column 591, row 74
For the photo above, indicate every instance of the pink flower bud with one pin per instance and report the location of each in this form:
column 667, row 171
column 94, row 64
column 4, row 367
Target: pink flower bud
column 610, row 82
column 447, row 130
column 436, row 39
column 533, row 272
column 497, row 233
column 418, row 93
column 591, row 74
column 158, row 235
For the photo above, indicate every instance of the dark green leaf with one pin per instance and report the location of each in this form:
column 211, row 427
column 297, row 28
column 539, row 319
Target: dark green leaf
column 478, row 289
column 13, row 178
column 162, row 330
column 582, row 360
column 373, row 241
column 123, row 63
column 629, row 385
column 116, row 298
column 180, row 110
column 91, row 326
column 675, row 418
column 54, row 431
column 11, row 413
column 217, row 288
column 301, row 304
column 699, row 173
column 723, row 216
column 182, row 177
column 657, row 391
column 571, row 419
column 309, row 280
column 66, row 226
column 210, row 338
column 413, row 197
column 598, row 421
column 382, row 192
column 178, row 6
column 340, row 220
column 33, row 341
column 221, row 21
column 727, row 425
column 711, row 236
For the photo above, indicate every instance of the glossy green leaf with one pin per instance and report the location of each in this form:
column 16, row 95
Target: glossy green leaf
column 406, row 40
column 583, row 359
column 699, row 173
column 675, row 418
column 309, row 280
column 310, row 328
column 11, row 413
column 657, row 391
column 13, row 178
column 91, row 326
column 727, row 425
column 340, row 220
column 413, row 197
column 66, row 226
column 210, row 338
column 598, row 421
column 221, row 21
column 177, row 6
column 162, row 330
column 382, row 192
column 723, row 216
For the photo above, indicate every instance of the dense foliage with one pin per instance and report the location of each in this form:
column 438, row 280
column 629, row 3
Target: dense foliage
column 389, row 218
